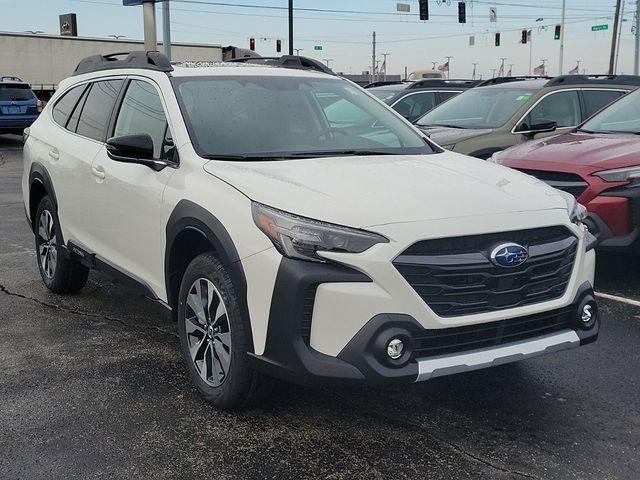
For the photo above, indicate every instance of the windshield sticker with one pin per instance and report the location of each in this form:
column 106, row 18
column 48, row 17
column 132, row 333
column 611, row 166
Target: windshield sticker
column 524, row 97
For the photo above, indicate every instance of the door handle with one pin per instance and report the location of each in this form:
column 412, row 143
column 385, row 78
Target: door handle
column 53, row 154
column 98, row 172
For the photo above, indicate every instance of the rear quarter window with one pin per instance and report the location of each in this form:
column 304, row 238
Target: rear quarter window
column 63, row 107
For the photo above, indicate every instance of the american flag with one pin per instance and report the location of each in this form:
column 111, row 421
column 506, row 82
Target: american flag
column 574, row 71
column 444, row 67
column 539, row 70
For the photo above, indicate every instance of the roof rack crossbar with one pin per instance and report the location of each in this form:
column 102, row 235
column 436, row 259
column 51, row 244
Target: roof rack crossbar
column 151, row 60
column 437, row 82
column 287, row 61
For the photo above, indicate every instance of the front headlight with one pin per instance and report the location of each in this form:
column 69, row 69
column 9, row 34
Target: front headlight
column 577, row 212
column 301, row 238
column 628, row 174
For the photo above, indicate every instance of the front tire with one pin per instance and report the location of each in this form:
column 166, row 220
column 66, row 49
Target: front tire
column 59, row 273
column 215, row 338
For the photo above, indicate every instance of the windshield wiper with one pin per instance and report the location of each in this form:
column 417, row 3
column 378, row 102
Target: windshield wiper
column 239, row 158
column 336, row 153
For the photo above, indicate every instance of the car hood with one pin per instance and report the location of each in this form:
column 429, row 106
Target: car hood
column 449, row 136
column 377, row 190
column 576, row 150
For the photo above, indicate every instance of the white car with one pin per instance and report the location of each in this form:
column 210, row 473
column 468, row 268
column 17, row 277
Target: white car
column 296, row 227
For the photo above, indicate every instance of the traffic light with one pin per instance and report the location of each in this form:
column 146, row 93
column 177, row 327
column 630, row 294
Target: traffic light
column 498, row 39
column 252, row 44
column 424, row 9
column 556, row 35
column 525, row 36
column 462, row 12
column 278, row 45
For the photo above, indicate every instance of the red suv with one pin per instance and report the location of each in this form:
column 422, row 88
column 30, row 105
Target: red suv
column 599, row 163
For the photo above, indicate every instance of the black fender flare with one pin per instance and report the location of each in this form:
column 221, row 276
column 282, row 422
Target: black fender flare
column 38, row 173
column 189, row 216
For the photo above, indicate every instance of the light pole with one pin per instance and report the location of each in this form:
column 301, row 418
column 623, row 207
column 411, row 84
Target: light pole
column 34, row 32
column 327, row 60
column 117, row 37
column 149, row 16
column 290, row 27
column 166, row 28
column 298, row 50
column 502, row 60
column 473, row 77
column 448, row 66
column 544, row 66
column 561, row 62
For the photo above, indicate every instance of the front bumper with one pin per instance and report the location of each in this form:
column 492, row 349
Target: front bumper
column 626, row 213
column 289, row 354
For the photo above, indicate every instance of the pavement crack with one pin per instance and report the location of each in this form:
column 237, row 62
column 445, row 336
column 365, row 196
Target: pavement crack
column 368, row 412
column 74, row 311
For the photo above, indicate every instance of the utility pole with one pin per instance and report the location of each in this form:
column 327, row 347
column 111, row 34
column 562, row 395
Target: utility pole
column 475, row 65
column 448, row 66
column 385, row 55
column 290, row 27
column 493, row 71
column 544, row 66
column 166, row 28
column 510, row 70
column 502, row 60
column 614, row 38
column 561, row 67
column 636, row 58
column 149, row 17
column 615, row 70
column 373, row 60
column 406, row 73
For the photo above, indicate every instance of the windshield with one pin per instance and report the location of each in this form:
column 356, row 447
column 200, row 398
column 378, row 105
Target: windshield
column 15, row 92
column 478, row 108
column 623, row 116
column 252, row 117
column 384, row 94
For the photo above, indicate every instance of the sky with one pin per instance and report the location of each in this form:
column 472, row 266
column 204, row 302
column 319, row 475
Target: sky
column 345, row 30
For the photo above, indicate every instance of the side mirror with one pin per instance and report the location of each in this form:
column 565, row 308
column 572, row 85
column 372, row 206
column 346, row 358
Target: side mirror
column 540, row 126
column 134, row 149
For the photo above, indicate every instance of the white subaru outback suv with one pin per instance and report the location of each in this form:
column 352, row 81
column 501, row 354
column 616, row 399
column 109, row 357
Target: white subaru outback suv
column 298, row 228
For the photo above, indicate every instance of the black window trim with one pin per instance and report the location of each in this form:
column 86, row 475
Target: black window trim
column 583, row 100
column 111, row 126
column 75, row 105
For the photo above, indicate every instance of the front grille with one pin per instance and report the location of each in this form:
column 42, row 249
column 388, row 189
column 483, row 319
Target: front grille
column 307, row 314
column 455, row 276
column 568, row 182
column 447, row 341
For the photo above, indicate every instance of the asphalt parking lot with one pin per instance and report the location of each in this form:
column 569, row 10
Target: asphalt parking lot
column 92, row 386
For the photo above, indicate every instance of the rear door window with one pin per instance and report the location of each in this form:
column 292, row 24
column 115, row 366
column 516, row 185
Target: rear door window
column 63, row 107
column 97, row 109
column 561, row 107
column 595, row 100
column 412, row 107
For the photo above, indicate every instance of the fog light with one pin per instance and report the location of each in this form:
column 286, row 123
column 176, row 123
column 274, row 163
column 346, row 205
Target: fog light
column 587, row 313
column 395, row 348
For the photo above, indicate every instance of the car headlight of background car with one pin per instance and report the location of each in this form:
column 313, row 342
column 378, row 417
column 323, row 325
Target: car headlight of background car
column 577, row 212
column 301, row 238
column 627, row 174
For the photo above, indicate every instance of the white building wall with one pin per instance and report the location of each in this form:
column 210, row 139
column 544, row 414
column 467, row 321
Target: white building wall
column 47, row 59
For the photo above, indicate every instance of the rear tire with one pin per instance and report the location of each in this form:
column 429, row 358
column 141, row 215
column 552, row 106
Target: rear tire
column 59, row 273
column 215, row 337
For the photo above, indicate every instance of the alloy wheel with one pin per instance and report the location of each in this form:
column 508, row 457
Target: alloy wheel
column 208, row 332
column 47, row 246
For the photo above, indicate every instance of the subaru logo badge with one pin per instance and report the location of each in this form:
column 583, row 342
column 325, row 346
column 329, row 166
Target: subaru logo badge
column 509, row 255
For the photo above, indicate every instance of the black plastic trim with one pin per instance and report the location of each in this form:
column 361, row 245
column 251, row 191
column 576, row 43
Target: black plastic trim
column 286, row 354
column 485, row 153
column 151, row 60
column 38, row 173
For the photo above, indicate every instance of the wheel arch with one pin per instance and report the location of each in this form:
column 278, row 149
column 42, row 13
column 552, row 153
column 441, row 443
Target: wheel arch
column 40, row 184
column 192, row 230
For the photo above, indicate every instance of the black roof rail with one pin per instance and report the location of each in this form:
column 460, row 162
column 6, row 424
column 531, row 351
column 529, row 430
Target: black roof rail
column 632, row 80
column 383, row 83
column 437, row 82
column 11, row 79
column 500, row 80
column 151, row 60
column 287, row 61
